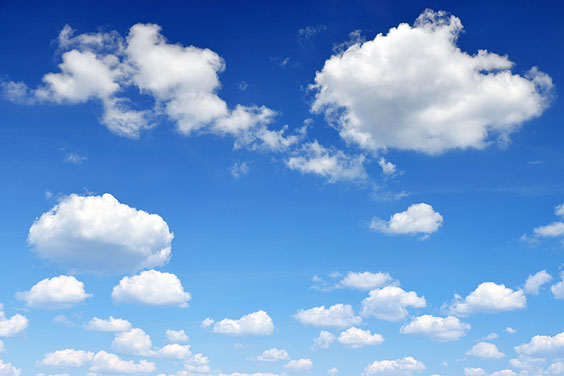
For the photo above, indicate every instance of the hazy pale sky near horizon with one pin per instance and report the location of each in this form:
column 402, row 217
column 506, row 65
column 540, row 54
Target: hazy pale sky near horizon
column 214, row 188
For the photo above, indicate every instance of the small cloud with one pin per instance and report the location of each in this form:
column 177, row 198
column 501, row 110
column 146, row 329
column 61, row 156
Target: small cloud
column 510, row 330
column 534, row 162
column 242, row 86
column 309, row 32
column 281, row 62
column 62, row 320
column 355, row 37
column 239, row 169
column 75, row 158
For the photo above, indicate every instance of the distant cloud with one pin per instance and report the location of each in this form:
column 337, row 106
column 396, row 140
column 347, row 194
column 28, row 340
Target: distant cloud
column 488, row 297
column 558, row 288
column 440, row 329
column 357, row 338
column 176, row 336
column 9, row 327
column 552, row 230
column 75, row 158
column 309, row 32
column 338, row 315
column 272, row 355
column 390, row 303
column 324, row 340
column 417, row 219
column 66, row 358
column 239, row 169
column 57, row 292
column 253, row 324
column 485, row 350
column 299, row 365
column 400, row 367
column 534, row 282
column 109, row 325
column 151, row 287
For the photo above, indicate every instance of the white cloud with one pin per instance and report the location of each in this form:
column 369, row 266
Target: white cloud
column 239, row 169
column 474, row 372
column 414, row 89
column 66, row 358
column 510, row 330
column 182, row 82
column 490, row 337
column 488, row 297
column 534, row 282
column 485, row 350
column 418, row 218
column 57, row 292
column 357, row 338
column 176, row 336
column 175, row 351
column 390, row 303
column 207, row 323
column 332, row 164
column 299, row 365
column 398, row 367
column 332, row 371
column 7, row 369
column 543, row 345
column 2, row 347
column 440, row 329
column 84, row 232
column 133, row 342
column 559, row 210
column 366, row 280
column 11, row 326
column 552, row 230
column 110, row 325
column 151, row 287
column 388, row 168
column 108, row 362
column 272, row 355
column 256, row 323
column 324, row 340
column 558, row 288
column 503, row 372
column 338, row 315
column 75, row 158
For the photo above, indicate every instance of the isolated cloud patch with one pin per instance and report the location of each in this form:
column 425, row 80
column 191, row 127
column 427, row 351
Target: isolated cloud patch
column 558, row 288
column 9, row 327
column 299, row 365
column 84, row 232
column 366, row 280
column 272, row 355
column 440, row 329
column 543, row 345
column 109, row 325
column 57, row 292
column 7, row 369
column 535, row 281
column 256, row 323
column 485, row 350
column 488, row 297
column 390, row 303
column 400, row 367
column 338, row 315
column 417, row 219
column 324, row 340
column 552, row 230
column 357, row 338
column 414, row 89
column 151, row 287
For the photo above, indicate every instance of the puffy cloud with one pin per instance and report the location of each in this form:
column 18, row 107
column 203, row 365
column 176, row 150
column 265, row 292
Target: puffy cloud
column 388, row 168
column 151, row 287
column 324, row 340
column 299, row 365
column 534, row 282
column 7, row 369
column 256, row 323
column 418, row 218
column 108, row 362
column 332, row 371
column 440, row 329
column 357, row 338
column 366, row 280
column 485, row 350
column 488, row 297
column 175, row 351
column 330, row 163
column 510, row 330
column 57, row 292
column 390, row 303
column 66, row 358
column 543, row 345
column 83, row 232
column 503, row 372
column 133, row 342
column 110, row 325
column 272, row 355
column 176, row 335
column 558, row 288
column 400, row 367
column 338, row 315
column 552, row 230
column 490, row 336
column 182, row 82
column 474, row 372
column 11, row 326
column 414, row 89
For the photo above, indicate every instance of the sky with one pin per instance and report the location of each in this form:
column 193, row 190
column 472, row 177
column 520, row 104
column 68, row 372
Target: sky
column 216, row 188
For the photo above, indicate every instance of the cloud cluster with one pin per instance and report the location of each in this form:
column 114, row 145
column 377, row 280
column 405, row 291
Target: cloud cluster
column 390, row 303
column 357, row 338
column 84, row 232
column 488, row 297
column 256, row 323
column 338, row 315
column 9, row 327
column 414, row 89
column 440, row 329
column 417, row 219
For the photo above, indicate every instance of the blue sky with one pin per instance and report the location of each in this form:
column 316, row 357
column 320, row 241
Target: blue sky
column 266, row 189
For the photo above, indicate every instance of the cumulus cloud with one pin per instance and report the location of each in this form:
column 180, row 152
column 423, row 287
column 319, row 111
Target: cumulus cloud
column 133, row 342
column 440, row 329
column 388, row 168
column 66, row 358
column 398, row 367
column 182, row 82
column 324, row 340
column 7, row 369
column 57, row 292
column 253, row 324
column 109, row 325
column 485, row 350
column 338, row 315
column 151, row 287
column 9, row 327
column 176, row 336
column 111, row 363
column 366, row 280
column 510, row 330
column 272, row 355
column 417, row 219
column 330, row 163
column 558, row 288
column 534, row 282
column 84, row 232
column 414, row 89
column 552, row 230
column 474, row 372
column 357, row 338
column 488, row 297
column 299, row 365
column 390, row 303
column 542, row 345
